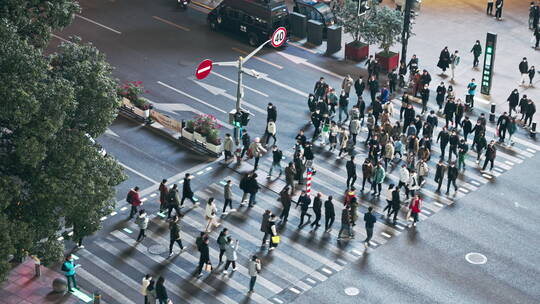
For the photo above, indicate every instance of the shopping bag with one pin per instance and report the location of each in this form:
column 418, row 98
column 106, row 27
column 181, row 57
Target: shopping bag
column 276, row 239
column 208, row 267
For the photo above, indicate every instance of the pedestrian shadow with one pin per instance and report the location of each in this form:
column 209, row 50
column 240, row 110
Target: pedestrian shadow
column 363, row 261
column 220, row 285
column 412, row 235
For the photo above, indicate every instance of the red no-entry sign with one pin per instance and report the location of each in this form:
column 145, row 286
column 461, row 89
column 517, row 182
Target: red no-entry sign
column 278, row 37
column 204, row 69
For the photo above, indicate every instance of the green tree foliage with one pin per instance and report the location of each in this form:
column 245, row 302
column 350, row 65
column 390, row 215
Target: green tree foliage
column 52, row 176
column 347, row 17
column 37, row 19
column 384, row 27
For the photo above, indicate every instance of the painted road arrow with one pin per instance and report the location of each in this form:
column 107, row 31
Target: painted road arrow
column 303, row 61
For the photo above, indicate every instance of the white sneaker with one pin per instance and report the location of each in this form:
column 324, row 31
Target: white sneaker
column 366, row 244
column 234, row 269
column 225, row 272
column 80, row 247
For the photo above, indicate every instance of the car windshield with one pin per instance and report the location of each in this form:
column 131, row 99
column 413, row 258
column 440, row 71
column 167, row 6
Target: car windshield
column 325, row 10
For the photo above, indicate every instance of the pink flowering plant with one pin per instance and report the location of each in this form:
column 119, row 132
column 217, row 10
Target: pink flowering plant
column 133, row 90
column 207, row 126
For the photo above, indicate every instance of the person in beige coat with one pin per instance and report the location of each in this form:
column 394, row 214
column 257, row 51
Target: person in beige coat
column 347, row 84
column 210, row 215
column 388, row 153
column 228, row 147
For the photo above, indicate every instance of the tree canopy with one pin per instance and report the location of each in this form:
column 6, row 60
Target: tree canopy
column 52, row 176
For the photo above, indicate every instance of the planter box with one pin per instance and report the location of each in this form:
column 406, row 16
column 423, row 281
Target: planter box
column 388, row 61
column 187, row 135
column 214, row 148
column 198, row 137
column 356, row 51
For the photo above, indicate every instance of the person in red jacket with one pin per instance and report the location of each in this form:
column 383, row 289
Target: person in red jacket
column 163, row 192
column 134, row 200
column 415, row 208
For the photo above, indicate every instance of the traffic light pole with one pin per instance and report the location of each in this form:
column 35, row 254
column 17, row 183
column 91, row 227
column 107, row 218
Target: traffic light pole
column 406, row 29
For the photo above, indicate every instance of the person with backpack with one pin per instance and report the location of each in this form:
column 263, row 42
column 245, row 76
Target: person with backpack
column 142, row 221
column 277, row 155
column 222, row 243
column 68, row 267
column 174, row 229
column 186, row 190
column 163, row 195
column 134, row 200
column 173, row 201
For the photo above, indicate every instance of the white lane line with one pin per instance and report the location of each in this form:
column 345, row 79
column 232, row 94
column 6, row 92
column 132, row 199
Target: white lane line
column 509, row 162
column 326, row 270
column 427, row 212
column 99, row 24
column 531, row 150
column 439, row 204
column 304, row 61
column 463, row 190
column 153, row 195
column 294, row 290
column 279, row 84
column 311, row 281
column 144, row 199
column 498, row 170
column 246, row 87
column 487, row 176
column 475, row 183
column 209, row 168
column 123, row 208
column 200, row 172
column 386, row 235
column 139, row 173
column 113, row 213
column 356, row 252
column 192, row 97
column 278, row 300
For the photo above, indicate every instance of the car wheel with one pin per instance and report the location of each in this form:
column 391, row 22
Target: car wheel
column 253, row 40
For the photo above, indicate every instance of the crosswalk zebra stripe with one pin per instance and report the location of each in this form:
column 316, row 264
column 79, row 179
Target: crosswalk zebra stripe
column 103, row 287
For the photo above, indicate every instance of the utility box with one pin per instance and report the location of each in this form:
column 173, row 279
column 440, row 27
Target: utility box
column 315, row 32
column 333, row 39
column 298, row 25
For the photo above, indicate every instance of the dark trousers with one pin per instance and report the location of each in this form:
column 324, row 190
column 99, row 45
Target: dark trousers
column 170, row 209
column 189, row 197
column 302, row 215
column 221, row 253
column 369, row 232
column 502, row 133
column 443, row 148
column 317, row 219
column 528, row 117
column 451, row 181
column 201, row 265
column 375, row 186
column 228, row 202
column 171, row 244
column 228, row 263
column 285, row 214
column 498, row 13
column 351, row 179
column 328, row 222
column 372, row 94
column 486, row 162
column 394, row 212
column 142, row 235
column 71, row 280
column 475, row 61
column 244, row 150
column 388, row 207
column 452, row 150
column 364, row 179
column 252, row 282
column 228, row 155
column 439, row 181
column 265, row 237
column 256, row 163
column 134, row 210
column 489, row 9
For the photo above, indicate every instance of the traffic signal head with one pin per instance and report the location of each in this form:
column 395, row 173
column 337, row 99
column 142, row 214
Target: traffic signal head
column 237, row 119
column 244, row 118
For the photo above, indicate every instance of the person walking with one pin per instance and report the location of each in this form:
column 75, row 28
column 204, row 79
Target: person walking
column 477, row 52
column 467, row 127
column 378, row 178
column 347, row 84
column 204, row 259
column 404, row 176
column 392, row 81
column 134, row 200
column 463, row 148
column 343, row 106
column 290, row 173
column 345, row 223
column 489, row 9
column 254, row 268
column 480, row 143
column 272, row 229
column 186, row 190
column 319, row 89
column 370, row 220
column 285, row 199
column 271, row 113
column 173, row 201
column 502, row 126
column 424, row 95
column 452, row 177
column 415, row 208
column 388, row 207
column 413, row 184
column 270, row 132
column 228, row 147
column 151, row 292
column 439, row 174
column 354, row 129
column 174, row 233
column 68, row 267
column 453, row 140
column 396, row 205
column 304, row 201
column 163, row 193
column 498, row 9
column 144, row 286
column 471, row 91
column 536, row 36
column 359, row 87
column 367, row 172
column 344, row 140
column 246, row 141
column 222, row 243
column 142, row 221
column 491, row 153
column 277, row 155
column 530, row 109
column 523, row 70
column 252, row 188
column 244, row 187
column 531, row 73
column 329, row 214
column 227, row 196
column 256, row 150
column 351, row 172
column 317, row 209
column 444, row 59
column 441, row 92
column 161, row 291
column 454, row 62
column 513, row 101
column 210, row 215
column 264, row 226
column 373, row 85
column 389, row 152
column 231, row 247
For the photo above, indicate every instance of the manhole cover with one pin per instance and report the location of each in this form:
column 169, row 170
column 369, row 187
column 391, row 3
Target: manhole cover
column 157, row 249
column 475, row 258
column 352, row 291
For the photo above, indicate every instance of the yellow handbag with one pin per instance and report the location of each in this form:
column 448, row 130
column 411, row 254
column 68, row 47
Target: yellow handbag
column 276, row 239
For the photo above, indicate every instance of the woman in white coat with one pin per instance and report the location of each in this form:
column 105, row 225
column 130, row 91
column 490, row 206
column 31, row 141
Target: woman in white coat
column 210, row 215
column 413, row 183
column 230, row 253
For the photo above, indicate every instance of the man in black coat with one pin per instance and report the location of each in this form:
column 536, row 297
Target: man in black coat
column 408, row 116
column 285, row 199
column 452, row 177
column 439, row 174
column 503, row 123
column 329, row 214
column 513, row 101
column 304, row 202
column 252, row 189
column 186, row 190
column 317, row 209
column 524, row 70
column 498, row 9
column 205, row 256
column 449, row 109
column 351, row 172
column 320, row 87
column 396, row 204
column 466, row 125
column 370, row 220
column 373, row 87
column 271, row 113
column 359, row 87
column 444, row 137
column 491, row 153
column 453, row 140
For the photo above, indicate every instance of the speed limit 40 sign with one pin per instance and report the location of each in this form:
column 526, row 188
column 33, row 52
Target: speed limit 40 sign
column 278, row 37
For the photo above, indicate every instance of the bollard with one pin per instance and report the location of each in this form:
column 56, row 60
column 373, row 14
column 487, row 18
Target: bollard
column 492, row 113
column 315, row 32
column 298, row 24
column 97, row 297
column 532, row 132
column 37, row 266
column 333, row 41
column 309, row 177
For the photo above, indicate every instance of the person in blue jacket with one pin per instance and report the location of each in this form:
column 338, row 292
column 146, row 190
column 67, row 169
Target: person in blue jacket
column 68, row 267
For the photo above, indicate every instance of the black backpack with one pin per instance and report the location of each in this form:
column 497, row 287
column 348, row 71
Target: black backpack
column 64, row 267
column 129, row 197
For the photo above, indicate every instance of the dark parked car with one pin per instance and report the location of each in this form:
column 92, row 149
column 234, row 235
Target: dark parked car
column 318, row 11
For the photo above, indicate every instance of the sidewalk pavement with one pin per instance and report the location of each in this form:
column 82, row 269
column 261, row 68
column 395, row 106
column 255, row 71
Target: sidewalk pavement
column 23, row 287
